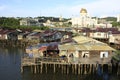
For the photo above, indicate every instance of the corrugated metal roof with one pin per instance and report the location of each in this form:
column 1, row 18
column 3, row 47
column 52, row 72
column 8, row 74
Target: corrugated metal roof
column 85, row 40
column 100, row 47
column 85, row 47
column 66, row 47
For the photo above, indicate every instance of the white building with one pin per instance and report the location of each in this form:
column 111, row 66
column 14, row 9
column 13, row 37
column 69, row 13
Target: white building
column 84, row 20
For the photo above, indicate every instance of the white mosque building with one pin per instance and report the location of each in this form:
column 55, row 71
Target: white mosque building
column 84, row 20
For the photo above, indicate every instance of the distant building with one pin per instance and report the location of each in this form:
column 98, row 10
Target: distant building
column 84, row 20
column 103, row 23
column 28, row 22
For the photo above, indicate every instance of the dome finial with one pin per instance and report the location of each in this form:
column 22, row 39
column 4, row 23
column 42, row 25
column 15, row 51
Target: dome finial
column 83, row 10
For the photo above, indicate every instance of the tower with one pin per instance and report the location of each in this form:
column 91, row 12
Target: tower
column 83, row 14
column 118, row 18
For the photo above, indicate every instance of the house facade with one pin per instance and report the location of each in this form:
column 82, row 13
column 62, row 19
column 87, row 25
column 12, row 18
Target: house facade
column 87, row 51
column 114, row 38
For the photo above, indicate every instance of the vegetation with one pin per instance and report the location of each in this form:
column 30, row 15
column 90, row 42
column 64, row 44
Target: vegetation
column 116, row 24
column 110, row 19
column 13, row 23
column 116, row 57
column 113, row 21
column 9, row 21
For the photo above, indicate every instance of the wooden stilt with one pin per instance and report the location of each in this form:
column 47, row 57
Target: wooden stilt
column 21, row 69
column 62, row 68
column 118, row 72
column 78, row 68
column 75, row 68
column 68, row 69
column 90, row 69
column 31, row 69
column 35, row 69
column 54, row 68
column 109, row 68
column 46, row 67
column 41, row 68
column 85, row 72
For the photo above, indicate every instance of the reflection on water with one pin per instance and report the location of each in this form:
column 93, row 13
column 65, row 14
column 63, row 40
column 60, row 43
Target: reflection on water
column 10, row 64
column 10, row 60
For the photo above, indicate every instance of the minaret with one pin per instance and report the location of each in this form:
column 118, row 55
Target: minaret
column 60, row 18
column 118, row 18
column 83, row 14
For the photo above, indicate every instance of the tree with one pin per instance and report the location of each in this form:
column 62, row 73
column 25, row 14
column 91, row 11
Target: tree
column 116, row 24
column 116, row 57
column 13, row 23
column 9, row 22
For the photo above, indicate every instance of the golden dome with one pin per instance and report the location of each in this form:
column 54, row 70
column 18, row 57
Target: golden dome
column 83, row 10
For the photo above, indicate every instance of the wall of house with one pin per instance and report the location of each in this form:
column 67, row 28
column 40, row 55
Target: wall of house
column 95, row 56
column 101, row 35
column 114, row 39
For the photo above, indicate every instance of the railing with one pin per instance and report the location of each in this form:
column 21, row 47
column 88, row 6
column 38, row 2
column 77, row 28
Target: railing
column 41, row 59
column 28, row 61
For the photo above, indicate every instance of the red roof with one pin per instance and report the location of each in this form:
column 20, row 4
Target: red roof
column 5, row 31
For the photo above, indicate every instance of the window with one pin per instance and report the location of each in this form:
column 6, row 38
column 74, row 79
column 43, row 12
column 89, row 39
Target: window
column 85, row 54
column 103, row 54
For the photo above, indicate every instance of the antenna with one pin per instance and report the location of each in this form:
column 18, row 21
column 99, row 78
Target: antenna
column 40, row 13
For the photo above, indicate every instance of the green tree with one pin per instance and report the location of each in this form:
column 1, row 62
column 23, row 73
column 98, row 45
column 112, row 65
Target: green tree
column 116, row 24
column 13, row 23
column 116, row 57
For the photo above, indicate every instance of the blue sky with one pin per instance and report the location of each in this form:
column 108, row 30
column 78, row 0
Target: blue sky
column 56, row 8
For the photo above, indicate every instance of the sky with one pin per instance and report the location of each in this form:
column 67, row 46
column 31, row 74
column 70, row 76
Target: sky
column 57, row 8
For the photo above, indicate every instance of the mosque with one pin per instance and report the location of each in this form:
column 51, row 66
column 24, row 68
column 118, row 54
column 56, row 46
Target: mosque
column 84, row 20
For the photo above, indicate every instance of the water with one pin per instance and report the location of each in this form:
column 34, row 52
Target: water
column 10, row 61
column 10, row 64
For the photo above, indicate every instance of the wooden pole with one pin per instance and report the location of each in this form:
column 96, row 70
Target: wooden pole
column 72, row 68
column 109, row 68
column 21, row 69
column 118, row 72
column 90, row 69
column 85, row 72
column 46, row 67
column 75, row 68
column 41, row 68
column 62, row 68
column 35, row 69
column 31, row 69
column 68, row 69
column 54, row 67
column 78, row 68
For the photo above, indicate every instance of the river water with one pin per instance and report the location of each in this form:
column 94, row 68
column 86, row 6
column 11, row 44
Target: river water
column 10, row 61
